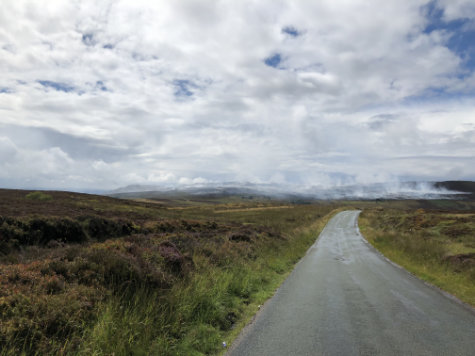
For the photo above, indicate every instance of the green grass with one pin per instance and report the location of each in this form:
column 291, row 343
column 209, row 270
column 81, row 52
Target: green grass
column 437, row 246
column 39, row 196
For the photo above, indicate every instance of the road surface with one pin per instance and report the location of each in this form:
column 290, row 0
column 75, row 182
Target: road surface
column 343, row 298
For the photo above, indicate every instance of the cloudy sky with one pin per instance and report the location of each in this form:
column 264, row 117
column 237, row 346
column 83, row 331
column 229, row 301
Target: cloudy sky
column 102, row 94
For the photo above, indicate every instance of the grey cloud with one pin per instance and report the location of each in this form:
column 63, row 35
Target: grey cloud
column 435, row 157
column 80, row 148
column 378, row 122
column 453, row 10
column 8, row 149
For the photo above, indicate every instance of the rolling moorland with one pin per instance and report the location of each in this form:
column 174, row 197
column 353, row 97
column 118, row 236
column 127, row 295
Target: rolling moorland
column 88, row 274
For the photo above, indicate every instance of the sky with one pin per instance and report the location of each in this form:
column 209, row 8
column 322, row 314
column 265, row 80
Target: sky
column 103, row 94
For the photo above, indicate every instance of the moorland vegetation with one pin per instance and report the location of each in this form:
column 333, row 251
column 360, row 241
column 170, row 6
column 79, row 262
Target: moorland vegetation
column 437, row 245
column 93, row 275
column 85, row 274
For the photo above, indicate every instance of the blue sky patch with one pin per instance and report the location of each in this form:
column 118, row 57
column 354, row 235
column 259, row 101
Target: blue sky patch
column 462, row 36
column 273, row 61
column 100, row 85
column 88, row 39
column 183, row 88
column 5, row 90
column 290, row 30
column 56, row 86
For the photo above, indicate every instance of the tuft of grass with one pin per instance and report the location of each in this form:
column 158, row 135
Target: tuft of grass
column 40, row 196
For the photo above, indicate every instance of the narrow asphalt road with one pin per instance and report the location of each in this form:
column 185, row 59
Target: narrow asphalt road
column 343, row 298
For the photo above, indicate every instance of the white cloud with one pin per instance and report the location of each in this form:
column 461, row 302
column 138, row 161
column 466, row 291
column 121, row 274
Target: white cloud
column 457, row 9
column 179, row 92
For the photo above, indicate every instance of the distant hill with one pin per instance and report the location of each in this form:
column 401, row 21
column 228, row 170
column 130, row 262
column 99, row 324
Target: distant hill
column 457, row 185
column 397, row 190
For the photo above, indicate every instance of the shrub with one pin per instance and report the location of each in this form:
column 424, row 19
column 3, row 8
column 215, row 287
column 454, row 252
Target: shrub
column 42, row 231
column 121, row 270
column 12, row 233
column 40, row 196
column 54, row 232
column 101, row 228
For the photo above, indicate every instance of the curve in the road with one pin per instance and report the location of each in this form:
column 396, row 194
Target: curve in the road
column 343, row 298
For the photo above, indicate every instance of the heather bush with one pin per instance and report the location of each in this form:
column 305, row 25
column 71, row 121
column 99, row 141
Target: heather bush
column 15, row 233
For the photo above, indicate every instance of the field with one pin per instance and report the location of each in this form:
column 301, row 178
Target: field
column 86, row 274
column 92, row 275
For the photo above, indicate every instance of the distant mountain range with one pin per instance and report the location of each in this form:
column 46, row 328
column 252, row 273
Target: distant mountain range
column 401, row 190
column 457, row 185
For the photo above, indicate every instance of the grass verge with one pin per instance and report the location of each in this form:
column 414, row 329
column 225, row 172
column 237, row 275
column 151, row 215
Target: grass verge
column 437, row 246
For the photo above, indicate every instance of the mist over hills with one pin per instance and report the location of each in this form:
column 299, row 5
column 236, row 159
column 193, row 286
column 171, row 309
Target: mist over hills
column 398, row 190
